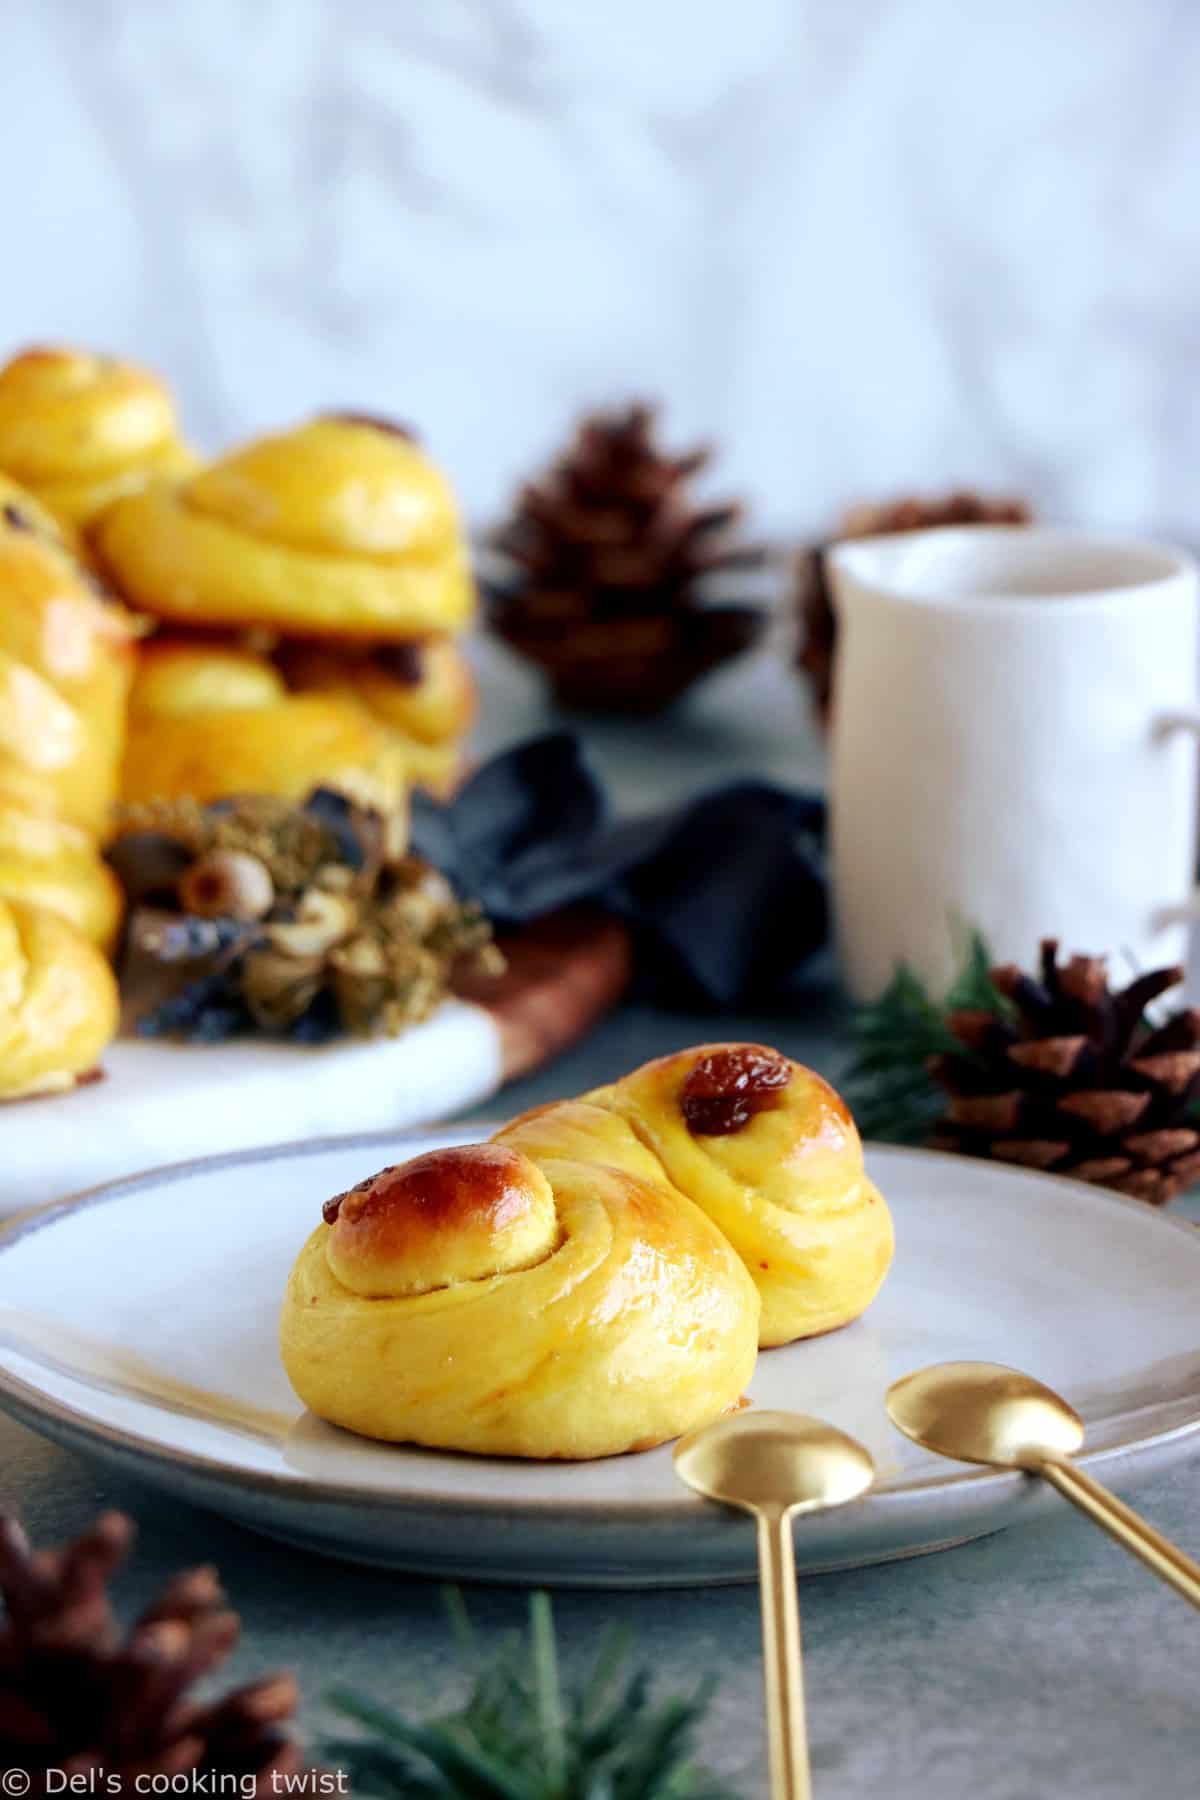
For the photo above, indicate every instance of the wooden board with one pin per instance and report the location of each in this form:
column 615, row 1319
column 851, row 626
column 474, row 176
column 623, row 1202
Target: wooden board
column 161, row 1103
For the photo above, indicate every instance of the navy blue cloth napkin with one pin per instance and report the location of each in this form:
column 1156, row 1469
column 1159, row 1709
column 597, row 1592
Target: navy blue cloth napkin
column 727, row 897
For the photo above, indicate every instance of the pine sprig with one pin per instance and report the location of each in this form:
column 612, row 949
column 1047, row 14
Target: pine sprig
column 524, row 1735
column 887, row 1082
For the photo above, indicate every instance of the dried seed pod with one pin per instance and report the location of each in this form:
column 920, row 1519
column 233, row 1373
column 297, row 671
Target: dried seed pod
column 335, row 878
column 361, row 956
column 308, row 920
column 424, row 879
column 381, row 987
column 278, row 987
column 322, row 920
column 395, row 834
column 227, row 884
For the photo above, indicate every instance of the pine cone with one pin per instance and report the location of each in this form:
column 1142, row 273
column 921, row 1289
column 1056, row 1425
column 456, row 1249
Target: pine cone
column 1075, row 1080
column 610, row 556
column 818, row 626
column 76, row 1693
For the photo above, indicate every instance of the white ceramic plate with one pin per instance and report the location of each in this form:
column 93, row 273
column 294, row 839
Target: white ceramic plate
column 137, row 1324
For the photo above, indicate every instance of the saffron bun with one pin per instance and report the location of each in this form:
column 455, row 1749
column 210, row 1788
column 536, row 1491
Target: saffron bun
column 211, row 720
column 81, row 430
column 66, row 661
column 784, row 1183
column 339, row 528
column 58, row 1002
column 421, row 692
column 598, row 1277
column 49, row 863
column 507, row 1300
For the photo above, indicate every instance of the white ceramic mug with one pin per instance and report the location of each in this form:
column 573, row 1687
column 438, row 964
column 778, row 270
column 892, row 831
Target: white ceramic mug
column 1014, row 725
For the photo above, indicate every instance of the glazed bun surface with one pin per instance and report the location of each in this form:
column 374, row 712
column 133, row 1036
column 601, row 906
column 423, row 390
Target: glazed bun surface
column 335, row 529
column 66, row 657
column 212, row 721
column 771, row 1154
column 49, row 863
column 58, row 1002
column 334, row 487
column 421, row 693
column 66, row 660
column 82, row 430
column 449, row 1216
column 599, row 1276
column 487, row 1300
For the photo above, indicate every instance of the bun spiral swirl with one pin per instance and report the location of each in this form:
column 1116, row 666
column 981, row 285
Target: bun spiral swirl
column 81, row 431
column 58, row 1002
column 591, row 1281
column 771, row 1154
column 211, row 720
column 421, row 693
column 486, row 1300
column 340, row 528
column 66, row 657
column 49, row 863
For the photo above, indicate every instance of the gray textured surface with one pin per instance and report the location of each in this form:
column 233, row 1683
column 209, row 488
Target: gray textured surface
column 1030, row 1664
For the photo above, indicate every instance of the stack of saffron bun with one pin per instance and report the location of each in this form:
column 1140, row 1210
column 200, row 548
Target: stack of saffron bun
column 599, row 1276
column 285, row 615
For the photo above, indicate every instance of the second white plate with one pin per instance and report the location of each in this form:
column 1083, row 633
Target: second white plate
column 137, row 1324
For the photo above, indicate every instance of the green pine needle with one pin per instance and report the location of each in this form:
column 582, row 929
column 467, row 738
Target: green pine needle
column 887, row 1083
column 524, row 1735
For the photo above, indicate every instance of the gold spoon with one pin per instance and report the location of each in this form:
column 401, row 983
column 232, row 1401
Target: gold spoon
column 985, row 1413
column 774, row 1464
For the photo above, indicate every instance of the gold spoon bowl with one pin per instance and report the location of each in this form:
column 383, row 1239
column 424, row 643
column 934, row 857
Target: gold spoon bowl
column 986, row 1413
column 772, row 1465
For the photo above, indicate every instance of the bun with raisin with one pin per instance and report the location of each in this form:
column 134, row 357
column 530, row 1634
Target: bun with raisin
column 597, row 1277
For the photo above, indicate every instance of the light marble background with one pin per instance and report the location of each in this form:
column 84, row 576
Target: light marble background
column 864, row 244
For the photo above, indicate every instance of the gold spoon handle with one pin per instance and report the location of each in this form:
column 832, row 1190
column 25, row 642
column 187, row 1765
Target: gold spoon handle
column 782, row 1673
column 1128, row 1527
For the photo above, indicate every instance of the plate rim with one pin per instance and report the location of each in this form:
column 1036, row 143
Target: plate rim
column 28, row 1404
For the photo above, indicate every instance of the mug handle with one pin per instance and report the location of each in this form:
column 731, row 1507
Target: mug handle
column 1184, row 912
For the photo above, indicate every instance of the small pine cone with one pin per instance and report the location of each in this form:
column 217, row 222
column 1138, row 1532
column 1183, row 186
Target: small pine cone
column 610, row 555
column 1070, row 1076
column 78, row 1693
column 812, row 603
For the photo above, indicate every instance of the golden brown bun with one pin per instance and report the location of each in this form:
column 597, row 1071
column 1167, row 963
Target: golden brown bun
column 58, row 1003
column 82, row 430
column 46, row 862
column 66, row 658
column 508, row 1300
column 787, row 1186
column 422, row 693
column 213, row 720
column 423, row 689
column 444, row 1217
column 336, row 528
column 598, row 1277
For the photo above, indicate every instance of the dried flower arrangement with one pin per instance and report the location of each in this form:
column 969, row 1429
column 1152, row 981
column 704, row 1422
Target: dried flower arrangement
column 307, row 920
